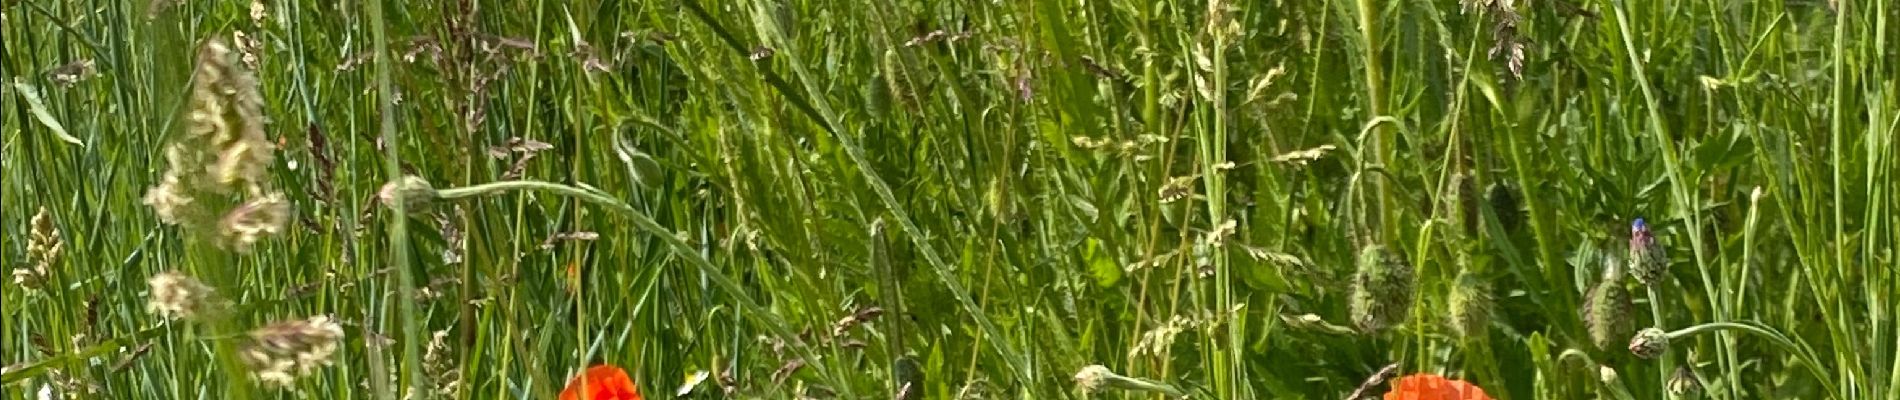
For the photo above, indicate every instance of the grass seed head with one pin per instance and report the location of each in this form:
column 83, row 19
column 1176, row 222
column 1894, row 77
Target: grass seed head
column 256, row 219
column 1381, row 290
column 280, row 352
column 175, row 295
column 43, row 249
column 222, row 158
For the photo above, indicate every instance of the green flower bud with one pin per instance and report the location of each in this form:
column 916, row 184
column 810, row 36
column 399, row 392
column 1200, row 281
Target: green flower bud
column 1607, row 313
column 908, row 378
column 416, row 194
column 1684, row 383
column 1381, row 290
column 1649, row 343
column 1470, row 303
column 1504, row 202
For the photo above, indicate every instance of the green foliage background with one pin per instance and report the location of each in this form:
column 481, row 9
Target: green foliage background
column 995, row 177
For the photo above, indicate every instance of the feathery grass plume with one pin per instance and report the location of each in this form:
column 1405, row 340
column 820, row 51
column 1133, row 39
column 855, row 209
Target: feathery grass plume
column 43, row 249
column 222, row 158
column 1470, row 303
column 176, row 296
column 1649, row 343
column 1381, row 290
column 416, row 194
column 1157, row 341
column 1684, row 383
column 280, row 352
column 1647, row 263
column 1505, row 42
column 441, row 366
column 254, row 220
column 1606, row 310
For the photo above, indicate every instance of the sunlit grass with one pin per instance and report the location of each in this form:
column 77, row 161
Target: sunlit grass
column 838, row 199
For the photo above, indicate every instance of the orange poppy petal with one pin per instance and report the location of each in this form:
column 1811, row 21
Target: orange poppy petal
column 602, row 382
column 1434, row 387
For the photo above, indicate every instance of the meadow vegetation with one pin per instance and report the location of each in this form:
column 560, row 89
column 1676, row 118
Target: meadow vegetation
column 962, row 199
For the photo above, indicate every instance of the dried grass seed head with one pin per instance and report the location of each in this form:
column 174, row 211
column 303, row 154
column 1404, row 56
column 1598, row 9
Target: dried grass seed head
column 280, row 352
column 222, row 158
column 43, row 249
column 175, row 295
column 255, row 220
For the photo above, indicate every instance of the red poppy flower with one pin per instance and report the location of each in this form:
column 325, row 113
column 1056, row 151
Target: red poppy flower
column 1434, row 387
column 601, row 382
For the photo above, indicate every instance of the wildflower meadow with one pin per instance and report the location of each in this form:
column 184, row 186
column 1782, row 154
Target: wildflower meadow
column 955, row 199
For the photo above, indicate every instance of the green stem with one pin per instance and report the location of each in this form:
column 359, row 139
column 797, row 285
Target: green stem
column 398, row 226
column 1665, row 363
column 643, row 222
column 1806, row 355
column 1380, row 142
column 210, row 262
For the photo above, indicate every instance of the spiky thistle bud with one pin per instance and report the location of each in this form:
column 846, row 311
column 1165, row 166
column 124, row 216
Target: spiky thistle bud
column 1649, row 343
column 1684, row 383
column 1606, row 310
column 1381, row 290
column 279, row 353
column 1093, row 378
column 1470, row 303
column 1647, row 261
column 415, row 193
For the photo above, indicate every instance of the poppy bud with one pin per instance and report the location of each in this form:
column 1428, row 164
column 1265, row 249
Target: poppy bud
column 1463, row 203
column 1470, row 303
column 1649, row 343
column 1647, row 262
column 1381, row 290
column 415, row 193
column 1506, row 205
column 909, row 378
column 1606, row 311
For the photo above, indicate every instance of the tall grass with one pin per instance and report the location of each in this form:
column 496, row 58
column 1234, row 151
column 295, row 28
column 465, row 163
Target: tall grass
column 804, row 197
